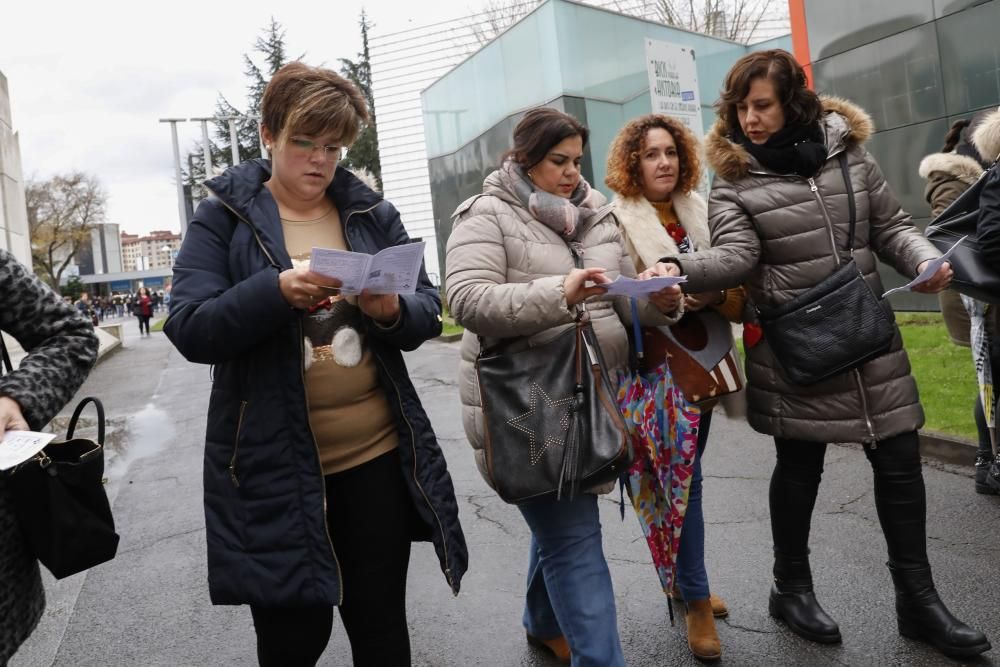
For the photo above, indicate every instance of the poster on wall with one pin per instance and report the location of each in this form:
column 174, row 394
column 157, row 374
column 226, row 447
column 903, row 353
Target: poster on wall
column 673, row 83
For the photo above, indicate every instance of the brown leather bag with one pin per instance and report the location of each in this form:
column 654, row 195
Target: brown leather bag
column 700, row 353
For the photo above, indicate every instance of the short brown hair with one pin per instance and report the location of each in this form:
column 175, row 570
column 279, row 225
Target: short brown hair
column 540, row 130
column 624, row 176
column 800, row 105
column 314, row 101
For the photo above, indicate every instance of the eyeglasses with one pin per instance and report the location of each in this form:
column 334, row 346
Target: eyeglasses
column 306, row 147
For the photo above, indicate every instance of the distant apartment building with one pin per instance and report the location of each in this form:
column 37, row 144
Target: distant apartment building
column 13, row 214
column 155, row 251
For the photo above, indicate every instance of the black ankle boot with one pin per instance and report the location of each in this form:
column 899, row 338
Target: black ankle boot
column 991, row 476
column 922, row 616
column 983, row 463
column 792, row 600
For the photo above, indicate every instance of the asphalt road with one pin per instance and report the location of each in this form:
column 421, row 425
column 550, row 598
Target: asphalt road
column 150, row 605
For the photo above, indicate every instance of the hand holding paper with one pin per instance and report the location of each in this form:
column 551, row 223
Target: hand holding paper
column 394, row 270
column 930, row 269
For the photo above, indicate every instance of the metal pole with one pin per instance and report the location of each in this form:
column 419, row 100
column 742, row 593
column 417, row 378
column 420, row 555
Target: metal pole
column 206, row 145
column 260, row 137
column 177, row 171
column 234, row 139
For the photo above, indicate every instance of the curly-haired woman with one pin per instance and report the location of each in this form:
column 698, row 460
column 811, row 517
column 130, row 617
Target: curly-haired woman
column 653, row 166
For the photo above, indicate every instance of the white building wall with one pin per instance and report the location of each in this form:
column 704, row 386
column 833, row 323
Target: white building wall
column 13, row 214
column 403, row 64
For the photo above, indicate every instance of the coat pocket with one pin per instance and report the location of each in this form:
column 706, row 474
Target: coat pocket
column 236, row 446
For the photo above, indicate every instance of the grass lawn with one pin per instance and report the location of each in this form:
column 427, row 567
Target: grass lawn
column 448, row 326
column 158, row 324
column 944, row 373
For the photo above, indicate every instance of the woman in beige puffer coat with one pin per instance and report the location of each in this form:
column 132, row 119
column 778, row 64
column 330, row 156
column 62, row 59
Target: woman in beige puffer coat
column 510, row 275
column 779, row 217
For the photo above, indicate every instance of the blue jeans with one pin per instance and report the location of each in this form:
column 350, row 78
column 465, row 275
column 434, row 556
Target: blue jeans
column 569, row 585
column 692, row 579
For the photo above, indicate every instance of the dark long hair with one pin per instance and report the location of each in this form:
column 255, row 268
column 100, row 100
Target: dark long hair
column 800, row 105
column 540, row 130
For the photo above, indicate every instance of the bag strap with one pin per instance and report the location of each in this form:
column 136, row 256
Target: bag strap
column 8, row 367
column 842, row 158
column 76, row 416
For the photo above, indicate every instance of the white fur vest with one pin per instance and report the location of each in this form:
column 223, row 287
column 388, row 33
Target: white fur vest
column 646, row 240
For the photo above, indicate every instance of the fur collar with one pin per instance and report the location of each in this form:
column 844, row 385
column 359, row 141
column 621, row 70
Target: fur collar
column 986, row 137
column 962, row 167
column 844, row 123
column 645, row 235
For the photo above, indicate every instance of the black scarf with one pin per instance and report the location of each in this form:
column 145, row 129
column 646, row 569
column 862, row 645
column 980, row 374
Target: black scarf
column 794, row 149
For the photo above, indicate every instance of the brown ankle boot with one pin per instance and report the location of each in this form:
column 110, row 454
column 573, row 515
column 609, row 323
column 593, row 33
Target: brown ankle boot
column 719, row 608
column 557, row 646
column 702, row 637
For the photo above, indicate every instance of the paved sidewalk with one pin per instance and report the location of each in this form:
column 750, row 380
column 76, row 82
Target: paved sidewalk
column 150, row 605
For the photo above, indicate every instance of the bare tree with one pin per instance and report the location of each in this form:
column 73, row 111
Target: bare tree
column 739, row 20
column 62, row 211
column 496, row 16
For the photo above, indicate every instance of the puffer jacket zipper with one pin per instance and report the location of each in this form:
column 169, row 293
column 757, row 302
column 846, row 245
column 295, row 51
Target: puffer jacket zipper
column 859, row 383
column 413, row 446
column 236, row 446
column 413, row 436
column 302, row 373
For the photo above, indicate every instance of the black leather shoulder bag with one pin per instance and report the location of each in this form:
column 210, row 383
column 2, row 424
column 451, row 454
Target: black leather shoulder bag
column 59, row 499
column 834, row 326
column 974, row 276
column 550, row 418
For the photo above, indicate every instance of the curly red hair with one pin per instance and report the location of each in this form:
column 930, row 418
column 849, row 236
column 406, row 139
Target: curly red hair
column 624, row 176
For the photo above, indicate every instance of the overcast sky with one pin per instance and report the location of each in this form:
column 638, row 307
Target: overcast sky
column 88, row 81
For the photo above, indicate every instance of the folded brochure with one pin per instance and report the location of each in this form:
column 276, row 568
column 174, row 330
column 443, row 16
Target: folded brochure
column 394, row 270
column 641, row 288
column 16, row 447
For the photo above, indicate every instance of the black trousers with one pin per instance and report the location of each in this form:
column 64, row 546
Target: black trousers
column 900, row 498
column 370, row 517
column 143, row 323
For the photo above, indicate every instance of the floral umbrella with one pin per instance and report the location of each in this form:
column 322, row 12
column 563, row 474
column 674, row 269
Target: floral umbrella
column 663, row 427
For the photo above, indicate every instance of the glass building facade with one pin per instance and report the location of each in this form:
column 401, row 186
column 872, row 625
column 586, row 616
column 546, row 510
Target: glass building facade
column 584, row 60
column 916, row 66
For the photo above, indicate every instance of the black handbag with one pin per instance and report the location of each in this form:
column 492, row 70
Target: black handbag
column 973, row 275
column 551, row 421
column 59, row 500
column 834, row 326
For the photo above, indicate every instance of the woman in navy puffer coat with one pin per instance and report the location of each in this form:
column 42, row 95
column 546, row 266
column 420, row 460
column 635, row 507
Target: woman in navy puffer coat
column 292, row 528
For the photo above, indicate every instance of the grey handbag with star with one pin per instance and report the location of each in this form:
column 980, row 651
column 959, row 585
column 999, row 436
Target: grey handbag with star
column 552, row 424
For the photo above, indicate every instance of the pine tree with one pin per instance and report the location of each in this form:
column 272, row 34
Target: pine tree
column 270, row 44
column 363, row 154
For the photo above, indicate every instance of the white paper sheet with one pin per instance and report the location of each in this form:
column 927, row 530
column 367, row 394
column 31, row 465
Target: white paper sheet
column 394, row 270
column 642, row 288
column 19, row 446
column 928, row 272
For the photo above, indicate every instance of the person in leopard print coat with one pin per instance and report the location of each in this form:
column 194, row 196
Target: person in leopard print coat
column 62, row 348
